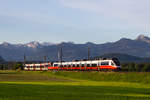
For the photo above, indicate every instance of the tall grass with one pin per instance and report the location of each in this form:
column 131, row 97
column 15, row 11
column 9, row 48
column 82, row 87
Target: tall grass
column 136, row 77
column 142, row 77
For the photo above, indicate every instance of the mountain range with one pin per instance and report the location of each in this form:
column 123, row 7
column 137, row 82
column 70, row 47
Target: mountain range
column 36, row 51
column 1, row 60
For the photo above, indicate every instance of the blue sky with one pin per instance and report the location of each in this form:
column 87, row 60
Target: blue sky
column 80, row 21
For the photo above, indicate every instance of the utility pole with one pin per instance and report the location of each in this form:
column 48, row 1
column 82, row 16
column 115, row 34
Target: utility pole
column 45, row 59
column 24, row 61
column 88, row 53
column 60, row 55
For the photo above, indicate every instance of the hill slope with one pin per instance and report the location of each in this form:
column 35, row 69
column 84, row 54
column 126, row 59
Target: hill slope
column 125, row 57
column 1, row 60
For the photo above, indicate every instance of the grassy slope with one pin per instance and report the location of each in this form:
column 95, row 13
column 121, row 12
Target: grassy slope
column 109, row 76
column 59, row 86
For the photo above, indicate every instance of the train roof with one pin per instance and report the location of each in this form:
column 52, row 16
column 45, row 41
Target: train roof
column 75, row 61
column 78, row 62
column 38, row 64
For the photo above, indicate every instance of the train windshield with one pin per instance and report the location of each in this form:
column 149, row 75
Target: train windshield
column 55, row 65
column 117, row 62
column 105, row 63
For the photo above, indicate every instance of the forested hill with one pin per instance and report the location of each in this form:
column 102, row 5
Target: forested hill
column 125, row 57
column 1, row 60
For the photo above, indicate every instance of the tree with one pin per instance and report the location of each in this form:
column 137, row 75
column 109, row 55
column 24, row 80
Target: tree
column 139, row 67
column 131, row 67
column 146, row 68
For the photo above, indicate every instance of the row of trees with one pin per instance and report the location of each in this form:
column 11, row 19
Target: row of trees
column 126, row 67
column 11, row 66
column 136, row 67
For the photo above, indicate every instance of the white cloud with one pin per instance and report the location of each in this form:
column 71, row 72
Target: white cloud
column 134, row 12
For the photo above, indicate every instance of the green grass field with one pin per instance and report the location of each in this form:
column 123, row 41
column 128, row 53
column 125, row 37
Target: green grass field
column 74, row 86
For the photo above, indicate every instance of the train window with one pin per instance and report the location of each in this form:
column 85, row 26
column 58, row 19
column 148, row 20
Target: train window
column 82, row 65
column 65, row 65
column 88, row 65
column 105, row 63
column 40, row 66
column 94, row 65
column 77, row 65
column 61, row 66
column 117, row 62
column 69, row 65
column 73, row 65
column 55, row 65
column 112, row 64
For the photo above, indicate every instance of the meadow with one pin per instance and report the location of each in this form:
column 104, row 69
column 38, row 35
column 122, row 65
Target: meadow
column 74, row 85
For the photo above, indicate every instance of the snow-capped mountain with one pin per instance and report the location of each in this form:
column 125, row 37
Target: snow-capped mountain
column 143, row 38
column 33, row 44
column 35, row 50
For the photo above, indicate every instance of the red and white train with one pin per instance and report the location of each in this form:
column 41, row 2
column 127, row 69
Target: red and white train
column 37, row 67
column 89, row 65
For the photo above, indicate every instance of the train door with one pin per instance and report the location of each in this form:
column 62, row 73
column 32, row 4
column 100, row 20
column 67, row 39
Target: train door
column 28, row 68
column 34, row 67
column 99, row 66
column 84, row 66
column 80, row 65
column 40, row 67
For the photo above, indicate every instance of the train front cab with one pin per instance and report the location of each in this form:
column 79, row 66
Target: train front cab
column 110, row 65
